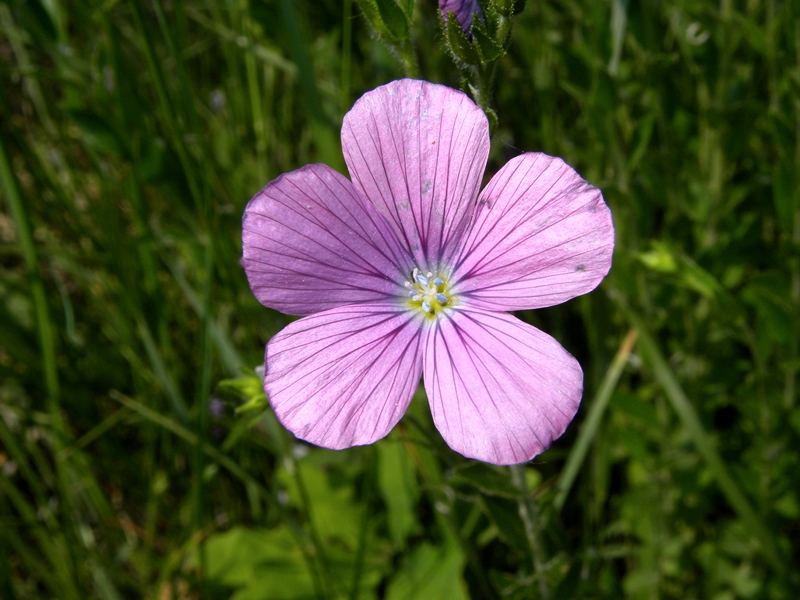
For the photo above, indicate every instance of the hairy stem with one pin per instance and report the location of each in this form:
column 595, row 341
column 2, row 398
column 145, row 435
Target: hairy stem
column 528, row 513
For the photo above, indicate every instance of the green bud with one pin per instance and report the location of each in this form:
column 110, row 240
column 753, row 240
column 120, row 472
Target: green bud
column 250, row 389
column 509, row 8
column 458, row 44
column 490, row 49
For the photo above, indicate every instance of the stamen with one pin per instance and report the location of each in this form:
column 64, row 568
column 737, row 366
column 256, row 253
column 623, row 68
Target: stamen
column 428, row 293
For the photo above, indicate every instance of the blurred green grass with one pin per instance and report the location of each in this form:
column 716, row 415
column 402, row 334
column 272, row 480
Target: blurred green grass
column 132, row 135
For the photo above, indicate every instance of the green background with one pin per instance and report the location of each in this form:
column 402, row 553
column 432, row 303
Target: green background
column 132, row 136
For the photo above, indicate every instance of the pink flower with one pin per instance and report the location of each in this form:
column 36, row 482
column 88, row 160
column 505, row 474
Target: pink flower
column 407, row 271
column 463, row 10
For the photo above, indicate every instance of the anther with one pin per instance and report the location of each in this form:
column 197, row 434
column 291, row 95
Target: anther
column 427, row 292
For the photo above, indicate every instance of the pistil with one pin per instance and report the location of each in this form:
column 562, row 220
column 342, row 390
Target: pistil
column 427, row 292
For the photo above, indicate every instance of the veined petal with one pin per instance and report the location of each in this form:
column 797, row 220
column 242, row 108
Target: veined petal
column 311, row 243
column 500, row 390
column 417, row 151
column 344, row 377
column 540, row 236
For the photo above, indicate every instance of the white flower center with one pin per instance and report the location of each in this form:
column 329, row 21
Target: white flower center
column 427, row 293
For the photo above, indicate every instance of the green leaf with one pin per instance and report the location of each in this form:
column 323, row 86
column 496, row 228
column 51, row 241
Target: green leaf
column 569, row 587
column 504, row 515
column 15, row 335
column 697, row 278
column 664, row 259
column 97, row 133
column 337, row 517
column 398, row 22
column 250, row 389
column 492, row 21
column 373, row 14
column 430, row 573
column 152, row 159
column 659, row 258
column 258, row 563
column 407, row 6
column 786, row 194
column 769, row 294
column 591, row 424
column 390, row 20
column 37, row 20
column 488, row 47
column 485, row 479
column 636, row 407
column 691, row 420
column 459, row 46
column 399, row 489
column 634, row 443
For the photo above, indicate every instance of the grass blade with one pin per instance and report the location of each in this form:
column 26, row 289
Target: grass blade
column 44, row 326
column 688, row 415
column 592, row 423
column 306, row 545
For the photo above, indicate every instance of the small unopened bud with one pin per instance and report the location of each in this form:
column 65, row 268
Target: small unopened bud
column 463, row 11
column 509, row 8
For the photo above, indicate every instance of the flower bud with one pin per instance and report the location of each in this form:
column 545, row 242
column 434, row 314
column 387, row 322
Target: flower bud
column 463, row 11
column 509, row 8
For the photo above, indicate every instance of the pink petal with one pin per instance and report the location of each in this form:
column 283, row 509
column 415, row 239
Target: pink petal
column 500, row 390
column 418, row 151
column 311, row 242
column 344, row 377
column 541, row 235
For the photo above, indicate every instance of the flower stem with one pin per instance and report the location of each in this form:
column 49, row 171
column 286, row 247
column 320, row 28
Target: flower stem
column 484, row 75
column 486, row 85
column 528, row 513
column 405, row 51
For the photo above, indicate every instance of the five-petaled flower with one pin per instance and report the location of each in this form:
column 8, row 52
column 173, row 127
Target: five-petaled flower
column 406, row 271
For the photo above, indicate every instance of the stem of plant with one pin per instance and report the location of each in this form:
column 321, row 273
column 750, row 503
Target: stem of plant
column 406, row 53
column 529, row 515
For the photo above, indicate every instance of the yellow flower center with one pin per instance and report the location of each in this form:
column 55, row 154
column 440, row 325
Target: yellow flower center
column 427, row 293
